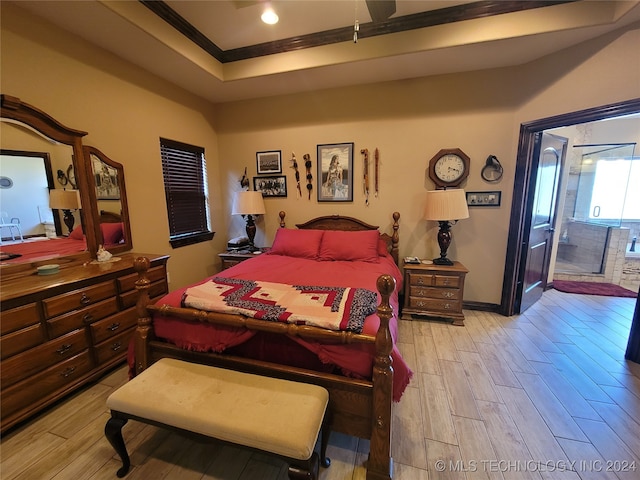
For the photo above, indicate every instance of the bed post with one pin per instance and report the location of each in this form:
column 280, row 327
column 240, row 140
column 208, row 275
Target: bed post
column 380, row 464
column 395, row 238
column 281, row 215
column 141, row 338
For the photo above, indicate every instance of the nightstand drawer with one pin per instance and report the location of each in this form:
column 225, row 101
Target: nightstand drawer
column 450, row 294
column 436, row 305
column 432, row 280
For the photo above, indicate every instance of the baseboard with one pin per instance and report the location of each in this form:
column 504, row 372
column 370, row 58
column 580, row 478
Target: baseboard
column 481, row 306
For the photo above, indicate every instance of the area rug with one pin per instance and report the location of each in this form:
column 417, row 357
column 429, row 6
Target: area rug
column 592, row 288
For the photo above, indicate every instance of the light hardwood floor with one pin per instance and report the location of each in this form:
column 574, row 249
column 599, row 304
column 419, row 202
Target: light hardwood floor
column 543, row 395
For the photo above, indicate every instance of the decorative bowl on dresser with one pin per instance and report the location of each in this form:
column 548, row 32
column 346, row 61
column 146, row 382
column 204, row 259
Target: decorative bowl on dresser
column 60, row 331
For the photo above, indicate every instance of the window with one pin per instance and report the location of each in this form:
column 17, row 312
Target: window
column 185, row 172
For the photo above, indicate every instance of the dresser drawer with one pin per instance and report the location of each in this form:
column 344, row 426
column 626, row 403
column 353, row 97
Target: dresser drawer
column 37, row 359
column 26, row 394
column 432, row 292
column 78, row 299
column 19, row 317
column 130, row 298
column 114, row 347
column 113, row 325
column 79, row 318
column 19, row 341
column 431, row 280
column 435, row 305
column 128, row 282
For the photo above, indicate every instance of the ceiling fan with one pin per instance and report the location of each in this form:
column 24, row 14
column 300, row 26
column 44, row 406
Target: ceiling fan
column 381, row 10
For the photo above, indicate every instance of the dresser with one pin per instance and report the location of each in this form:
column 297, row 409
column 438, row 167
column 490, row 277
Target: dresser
column 434, row 291
column 60, row 331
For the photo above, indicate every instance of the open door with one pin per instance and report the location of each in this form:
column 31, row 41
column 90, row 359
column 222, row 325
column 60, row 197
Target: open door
column 549, row 152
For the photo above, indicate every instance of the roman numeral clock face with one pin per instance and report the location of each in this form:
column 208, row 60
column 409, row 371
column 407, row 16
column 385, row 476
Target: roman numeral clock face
column 449, row 167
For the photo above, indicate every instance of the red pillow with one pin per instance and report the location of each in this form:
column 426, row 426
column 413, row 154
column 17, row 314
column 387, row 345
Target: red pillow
column 359, row 245
column 76, row 233
column 111, row 233
column 297, row 243
column 383, row 249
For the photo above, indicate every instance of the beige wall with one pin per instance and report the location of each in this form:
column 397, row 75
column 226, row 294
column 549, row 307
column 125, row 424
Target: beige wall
column 125, row 110
column 409, row 121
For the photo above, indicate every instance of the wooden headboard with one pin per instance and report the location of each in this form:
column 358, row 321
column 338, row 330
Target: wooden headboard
column 109, row 217
column 338, row 222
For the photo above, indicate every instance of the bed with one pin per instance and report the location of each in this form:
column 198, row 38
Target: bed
column 41, row 248
column 358, row 363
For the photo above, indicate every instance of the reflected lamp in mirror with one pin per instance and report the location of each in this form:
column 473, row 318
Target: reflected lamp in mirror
column 65, row 200
column 249, row 203
column 445, row 207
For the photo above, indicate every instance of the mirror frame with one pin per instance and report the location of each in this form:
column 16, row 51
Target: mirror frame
column 124, row 209
column 19, row 112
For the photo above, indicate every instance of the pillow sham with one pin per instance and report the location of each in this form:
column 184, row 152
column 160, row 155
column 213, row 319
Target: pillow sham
column 297, row 243
column 111, row 233
column 383, row 250
column 77, row 233
column 361, row 245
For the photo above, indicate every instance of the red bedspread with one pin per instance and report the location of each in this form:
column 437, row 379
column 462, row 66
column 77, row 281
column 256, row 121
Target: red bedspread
column 351, row 360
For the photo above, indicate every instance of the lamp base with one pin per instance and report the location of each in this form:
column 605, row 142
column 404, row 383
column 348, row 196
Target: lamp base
column 69, row 221
column 442, row 261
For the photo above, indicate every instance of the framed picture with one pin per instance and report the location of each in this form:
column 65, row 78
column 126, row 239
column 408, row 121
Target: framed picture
column 335, row 172
column 106, row 178
column 271, row 186
column 269, row 162
column 483, row 199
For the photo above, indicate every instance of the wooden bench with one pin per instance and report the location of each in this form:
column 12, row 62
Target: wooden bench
column 280, row 417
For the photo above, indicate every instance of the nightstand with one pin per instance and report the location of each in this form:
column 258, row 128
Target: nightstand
column 229, row 259
column 434, row 291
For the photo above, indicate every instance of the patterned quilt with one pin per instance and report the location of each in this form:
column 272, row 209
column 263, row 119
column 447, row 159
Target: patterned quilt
column 333, row 308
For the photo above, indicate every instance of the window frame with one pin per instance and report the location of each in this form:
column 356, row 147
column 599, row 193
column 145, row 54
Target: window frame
column 186, row 190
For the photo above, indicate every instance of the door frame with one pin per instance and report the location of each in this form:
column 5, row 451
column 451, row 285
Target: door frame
column 524, row 186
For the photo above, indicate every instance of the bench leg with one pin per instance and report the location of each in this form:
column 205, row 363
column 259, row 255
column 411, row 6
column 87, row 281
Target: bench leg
column 324, row 440
column 305, row 472
column 113, row 432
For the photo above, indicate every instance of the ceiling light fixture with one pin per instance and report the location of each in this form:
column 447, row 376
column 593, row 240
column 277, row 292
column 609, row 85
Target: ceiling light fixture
column 269, row 16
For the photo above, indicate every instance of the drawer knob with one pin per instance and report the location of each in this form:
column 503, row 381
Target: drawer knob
column 68, row 371
column 446, row 281
column 85, row 300
column 447, row 306
column 87, row 318
column 420, row 281
column 447, row 294
column 113, row 327
column 64, row 349
column 421, row 304
column 116, row 346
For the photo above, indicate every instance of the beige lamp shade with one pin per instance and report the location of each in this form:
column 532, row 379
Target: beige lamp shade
column 444, row 205
column 64, row 199
column 248, row 203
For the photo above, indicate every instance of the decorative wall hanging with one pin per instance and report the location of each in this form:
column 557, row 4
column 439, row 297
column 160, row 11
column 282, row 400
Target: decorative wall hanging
column 376, row 172
column 62, row 178
column 106, row 178
column 244, row 181
column 294, row 165
column 307, row 165
column 335, row 172
column 269, row 162
column 449, row 167
column 492, row 170
column 271, row 186
column 484, row 199
column 365, row 179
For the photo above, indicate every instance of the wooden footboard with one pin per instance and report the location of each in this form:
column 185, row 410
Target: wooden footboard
column 360, row 408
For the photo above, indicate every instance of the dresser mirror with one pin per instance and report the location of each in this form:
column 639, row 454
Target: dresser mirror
column 108, row 187
column 29, row 130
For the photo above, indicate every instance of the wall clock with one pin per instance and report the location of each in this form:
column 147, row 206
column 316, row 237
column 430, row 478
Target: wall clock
column 449, row 167
column 492, row 170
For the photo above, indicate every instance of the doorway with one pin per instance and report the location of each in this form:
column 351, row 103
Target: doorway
column 524, row 191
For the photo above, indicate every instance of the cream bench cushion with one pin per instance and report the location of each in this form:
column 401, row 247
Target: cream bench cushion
column 269, row 414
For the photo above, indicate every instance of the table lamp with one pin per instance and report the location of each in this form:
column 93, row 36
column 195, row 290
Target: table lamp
column 446, row 207
column 249, row 203
column 65, row 200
